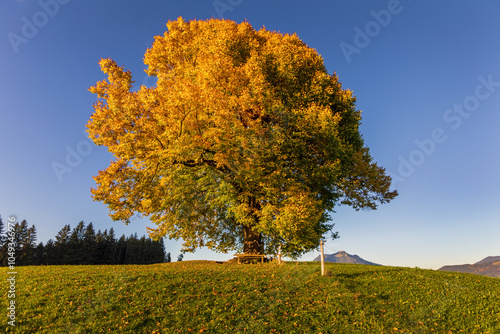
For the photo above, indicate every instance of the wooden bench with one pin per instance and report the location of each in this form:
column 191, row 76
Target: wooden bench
column 250, row 257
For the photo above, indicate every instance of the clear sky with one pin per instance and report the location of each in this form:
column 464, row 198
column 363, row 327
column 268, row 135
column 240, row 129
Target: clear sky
column 426, row 75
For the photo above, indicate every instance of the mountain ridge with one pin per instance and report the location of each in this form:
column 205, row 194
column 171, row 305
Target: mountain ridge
column 489, row 259
column 344, row 257
column 489, row 266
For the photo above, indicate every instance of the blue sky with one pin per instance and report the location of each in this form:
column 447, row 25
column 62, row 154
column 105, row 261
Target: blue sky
column 426, row 75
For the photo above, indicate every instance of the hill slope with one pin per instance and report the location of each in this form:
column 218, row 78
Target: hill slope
column 343, row 257
column 489, row 266
column 205, row 297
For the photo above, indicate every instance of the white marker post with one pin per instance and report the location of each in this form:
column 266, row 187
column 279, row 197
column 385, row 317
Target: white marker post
column 322, row 258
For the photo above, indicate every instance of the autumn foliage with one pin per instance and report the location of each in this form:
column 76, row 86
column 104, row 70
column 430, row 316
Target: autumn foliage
column 245, row 141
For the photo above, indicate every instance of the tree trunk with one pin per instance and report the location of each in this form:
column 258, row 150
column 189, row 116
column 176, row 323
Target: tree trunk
column 252, row 241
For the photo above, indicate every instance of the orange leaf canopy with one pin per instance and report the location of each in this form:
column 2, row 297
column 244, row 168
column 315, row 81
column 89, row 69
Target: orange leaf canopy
column 244, row 134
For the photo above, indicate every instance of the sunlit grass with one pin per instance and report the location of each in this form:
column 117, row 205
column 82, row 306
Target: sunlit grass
column 207, row 297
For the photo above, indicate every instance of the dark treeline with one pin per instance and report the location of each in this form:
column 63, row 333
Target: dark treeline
column 80, row 245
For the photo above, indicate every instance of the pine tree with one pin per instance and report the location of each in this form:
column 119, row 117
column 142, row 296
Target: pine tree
column 50, row 256
column 101, row 238
column 89, row 245
column 61, row 245
column 29, row 245
column 121, row 251
column 20, row 237
column 161, row 251
column 2, row 232
column 132, row 249
column 144, row 250
column 39, row 255
column 111, row 246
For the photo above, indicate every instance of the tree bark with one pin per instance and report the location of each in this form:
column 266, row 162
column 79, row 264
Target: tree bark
column 252, row 241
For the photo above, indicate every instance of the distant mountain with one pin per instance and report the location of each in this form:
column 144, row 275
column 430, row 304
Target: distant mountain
column 489, row 266
column 343, row 257
column 489, row 259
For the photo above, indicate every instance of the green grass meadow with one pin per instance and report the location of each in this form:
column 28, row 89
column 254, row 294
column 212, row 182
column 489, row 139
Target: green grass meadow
column 206, row 297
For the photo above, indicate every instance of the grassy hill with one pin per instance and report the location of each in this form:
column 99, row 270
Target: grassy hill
column 205, row 297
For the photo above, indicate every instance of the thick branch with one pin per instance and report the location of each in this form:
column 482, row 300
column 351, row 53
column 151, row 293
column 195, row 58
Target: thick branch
column 203, row 162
